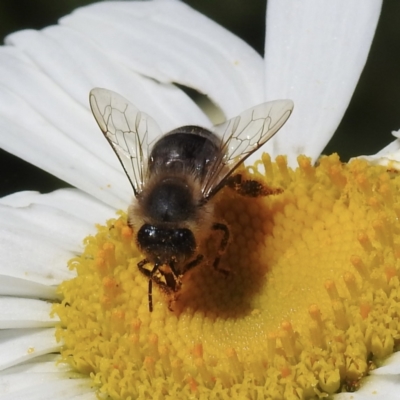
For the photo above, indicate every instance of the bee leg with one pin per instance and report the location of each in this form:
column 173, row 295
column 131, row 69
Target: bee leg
column 171, row 284
column 149, row 274
column 171, row 288
column 144, row 271
column 194, row 262
column 224, row 242
column 150, row 290
column 250, row 187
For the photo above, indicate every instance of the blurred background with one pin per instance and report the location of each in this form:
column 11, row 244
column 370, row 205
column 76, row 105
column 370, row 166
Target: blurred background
column 373, row 114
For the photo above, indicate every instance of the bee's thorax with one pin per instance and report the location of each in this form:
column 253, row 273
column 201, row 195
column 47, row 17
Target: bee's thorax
column 171, row 200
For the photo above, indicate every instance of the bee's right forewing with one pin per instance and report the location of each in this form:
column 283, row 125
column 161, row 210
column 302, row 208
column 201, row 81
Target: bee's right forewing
column 243, row 135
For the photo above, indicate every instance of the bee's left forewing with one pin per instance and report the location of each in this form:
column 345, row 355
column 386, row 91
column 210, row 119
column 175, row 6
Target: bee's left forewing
column 127, row 129
column 243, row 135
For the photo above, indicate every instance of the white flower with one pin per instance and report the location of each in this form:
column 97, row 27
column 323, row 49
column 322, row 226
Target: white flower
column 314, row 55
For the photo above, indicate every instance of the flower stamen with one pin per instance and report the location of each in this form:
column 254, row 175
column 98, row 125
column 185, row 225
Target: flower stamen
column 311, row 297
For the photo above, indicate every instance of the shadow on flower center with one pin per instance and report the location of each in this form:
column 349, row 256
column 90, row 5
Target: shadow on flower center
column 229, row 291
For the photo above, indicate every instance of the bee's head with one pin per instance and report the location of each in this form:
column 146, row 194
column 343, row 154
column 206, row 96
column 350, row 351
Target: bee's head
column 166, row 245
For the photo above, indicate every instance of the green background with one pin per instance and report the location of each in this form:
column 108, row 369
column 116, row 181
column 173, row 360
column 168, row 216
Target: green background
column 366, row 127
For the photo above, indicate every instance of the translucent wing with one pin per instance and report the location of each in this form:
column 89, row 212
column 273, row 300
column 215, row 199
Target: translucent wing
column 127, row 130
column 243, row 135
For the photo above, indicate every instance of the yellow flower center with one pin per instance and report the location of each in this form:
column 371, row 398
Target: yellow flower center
column 310, row 304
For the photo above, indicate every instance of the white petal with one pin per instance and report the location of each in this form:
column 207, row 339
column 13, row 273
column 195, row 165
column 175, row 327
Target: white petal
column 41, row 235
column 72, row 201
column 40, row 372
column 391, row 366
column 63, row 218
column 61, row 51
column 57, row 132
column 389, row 156
column 315, row 52
column 374, row 388
column 19, row 345
column 12, row 286
column 171, row 42
column 31, row 135
column 41, row 364
column 35, row 252
column 53, row 388
column 25, row 313
column 44, row 117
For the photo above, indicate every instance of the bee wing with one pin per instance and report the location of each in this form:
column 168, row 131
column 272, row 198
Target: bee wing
column 243, row 135
column 127, row 130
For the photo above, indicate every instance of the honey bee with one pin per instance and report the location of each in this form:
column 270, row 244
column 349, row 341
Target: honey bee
column 175, row 176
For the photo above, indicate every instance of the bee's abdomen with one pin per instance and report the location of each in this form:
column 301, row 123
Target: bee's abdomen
column 186, row 149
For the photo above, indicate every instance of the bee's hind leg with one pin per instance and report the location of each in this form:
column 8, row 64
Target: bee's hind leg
column 224, row 242
column 249, row 187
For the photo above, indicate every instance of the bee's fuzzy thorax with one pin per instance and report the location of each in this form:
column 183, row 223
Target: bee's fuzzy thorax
column 198, row 218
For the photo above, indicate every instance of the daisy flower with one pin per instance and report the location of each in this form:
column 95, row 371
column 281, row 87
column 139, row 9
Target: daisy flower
column 311, row 305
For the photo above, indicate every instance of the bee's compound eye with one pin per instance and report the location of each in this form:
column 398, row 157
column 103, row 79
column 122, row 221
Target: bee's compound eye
column 166, row 244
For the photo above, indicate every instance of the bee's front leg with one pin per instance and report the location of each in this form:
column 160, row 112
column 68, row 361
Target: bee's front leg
column 149, row 274
column 143, row 270
column 175, row 293
column 249, row 187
